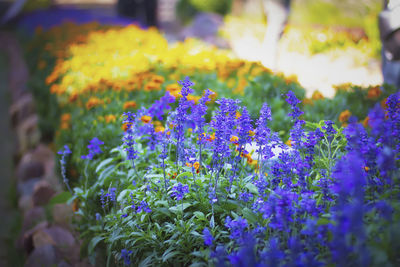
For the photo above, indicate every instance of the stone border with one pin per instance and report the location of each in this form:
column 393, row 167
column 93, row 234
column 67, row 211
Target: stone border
column 47, row 236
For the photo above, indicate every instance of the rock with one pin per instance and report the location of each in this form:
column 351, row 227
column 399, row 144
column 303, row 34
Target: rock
column 25, row 203
column 29, row 169
column 21, row 109
column 42, row 238
column 42, row 256
column 42, row 193
column 25, row 188
column 61, row 237
column 32, row 217
column 28, row 133
column 26, row 240
column 62, row 214
column 65, row 243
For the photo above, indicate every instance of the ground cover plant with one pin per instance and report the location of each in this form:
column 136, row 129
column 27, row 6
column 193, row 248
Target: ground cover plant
column 168, row 173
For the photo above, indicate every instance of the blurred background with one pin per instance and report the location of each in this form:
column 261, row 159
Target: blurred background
column 324, row 42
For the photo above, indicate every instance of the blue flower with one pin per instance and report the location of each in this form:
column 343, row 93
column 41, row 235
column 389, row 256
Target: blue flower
column 160, row 106
column 179, row 190
column 94, row 148
column 129, row 140
column 126, row 256
column 143, row 207
column 293, row 101
column 237, row 228
column 208, row 238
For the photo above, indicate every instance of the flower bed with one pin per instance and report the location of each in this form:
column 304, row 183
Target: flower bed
column 162, row 173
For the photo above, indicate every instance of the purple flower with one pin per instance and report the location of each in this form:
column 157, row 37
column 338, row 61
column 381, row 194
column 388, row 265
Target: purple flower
column 237, row 228
column 94, row 148
column 126, row 256
column 293, row 101
column 63, row 164
column 329, row 130
column 208, row 238
column 65, row 151
column 160, row 106
column 129, row 140
column 182, row 118
column 143, row 207
column 179, row 190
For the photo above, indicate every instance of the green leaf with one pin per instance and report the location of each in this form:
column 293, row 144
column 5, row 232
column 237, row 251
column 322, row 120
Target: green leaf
column 184, row 174
column 104, row 163
column 323, row 221
column 200, row 215
column 123, row 194
column 252, row 188
column 249, row 215
column 60, row 198
column 105, row 174
column 169, row 253
column 93, row 243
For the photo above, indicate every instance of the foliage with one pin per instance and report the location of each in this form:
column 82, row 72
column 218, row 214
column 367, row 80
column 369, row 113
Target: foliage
column 165, row 174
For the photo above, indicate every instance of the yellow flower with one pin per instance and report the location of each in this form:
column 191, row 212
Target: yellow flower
column 289, row 142
column 159, row 128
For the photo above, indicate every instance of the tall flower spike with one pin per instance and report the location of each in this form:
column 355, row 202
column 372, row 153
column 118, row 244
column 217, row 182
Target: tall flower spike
column 63, row 163
column 182, row 117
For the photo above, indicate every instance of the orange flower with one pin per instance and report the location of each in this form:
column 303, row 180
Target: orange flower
column 145, row 119
column 66, row 117
column 289, row 142
column 158, row 79
column 110, row 118
column 366, row 168
column 93, row 102
column 212, row 137
column 234, row 139
column 238, row 115
column 365, row 122
column 252, row 133
column 64, row 126
column 196, row 165
column 317, row 95
column 173, row 87
column 193, row 98
column 129, row 105
column 374, row 92
column 344, row 116
column 213, row 95
column 152, row 86
column 308, row 101
column 124, row 127
column 73, row 97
